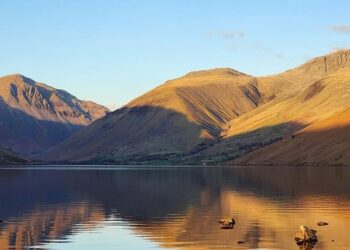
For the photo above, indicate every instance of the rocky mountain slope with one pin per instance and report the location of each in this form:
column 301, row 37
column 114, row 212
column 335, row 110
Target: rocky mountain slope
column 313, row 102
column 35, row 116
column 217, row 116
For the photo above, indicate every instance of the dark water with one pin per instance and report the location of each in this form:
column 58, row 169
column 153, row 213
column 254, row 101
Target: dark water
column 164, row 208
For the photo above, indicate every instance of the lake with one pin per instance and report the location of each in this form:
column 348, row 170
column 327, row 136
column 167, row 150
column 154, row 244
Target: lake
column 172, row 207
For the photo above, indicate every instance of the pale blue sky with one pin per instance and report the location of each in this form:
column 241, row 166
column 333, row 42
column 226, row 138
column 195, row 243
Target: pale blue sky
column 113, row 51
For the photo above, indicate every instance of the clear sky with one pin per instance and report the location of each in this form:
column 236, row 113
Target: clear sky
column 112, row 51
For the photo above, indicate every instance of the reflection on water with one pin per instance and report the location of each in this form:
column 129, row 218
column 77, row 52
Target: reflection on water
column 137, row 208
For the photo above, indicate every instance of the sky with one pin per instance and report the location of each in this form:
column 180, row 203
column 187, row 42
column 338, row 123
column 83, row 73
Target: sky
column 113, row 51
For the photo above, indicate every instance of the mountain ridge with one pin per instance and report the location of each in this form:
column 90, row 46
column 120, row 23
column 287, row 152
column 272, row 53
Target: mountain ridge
column 214, row 116
column 35, row 116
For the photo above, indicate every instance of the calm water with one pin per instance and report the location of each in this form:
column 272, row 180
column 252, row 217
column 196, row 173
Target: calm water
column 172, row 208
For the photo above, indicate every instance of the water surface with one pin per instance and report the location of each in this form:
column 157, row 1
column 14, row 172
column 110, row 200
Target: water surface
column 172, row 208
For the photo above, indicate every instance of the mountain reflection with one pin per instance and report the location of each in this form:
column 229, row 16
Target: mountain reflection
column 177, row 207
column 51, row 223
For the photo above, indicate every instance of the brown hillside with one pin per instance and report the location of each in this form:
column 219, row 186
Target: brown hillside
column 215, row 116
column 176, row 118
column 35, row 116
column 283, row 115
column 322, row 143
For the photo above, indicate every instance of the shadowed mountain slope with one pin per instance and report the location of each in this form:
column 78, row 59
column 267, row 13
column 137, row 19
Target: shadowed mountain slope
column 176, row 118
column 34, row 116
column 322, row 143
column 281, row 117
column 7, row 157
column 216, row 116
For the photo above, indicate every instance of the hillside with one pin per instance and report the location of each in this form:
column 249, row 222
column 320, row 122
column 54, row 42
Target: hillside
column 278, row 119
column 322, row 143
column 217, row 116
column 179, row 117
column 35, row 116
column 7, row 157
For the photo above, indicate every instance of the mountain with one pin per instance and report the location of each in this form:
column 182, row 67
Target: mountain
column 310, row 103
column 181, row 116
column 7, row 157
column 322, row 143
column 223, row 116
column 35, row 116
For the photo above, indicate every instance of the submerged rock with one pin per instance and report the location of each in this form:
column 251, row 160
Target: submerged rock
column 226, row 227
column 227, row 221
column 307, row 245
column 305, row 235
column 322, row 223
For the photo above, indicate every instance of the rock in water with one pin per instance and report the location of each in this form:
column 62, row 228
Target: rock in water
column 227, row 221
column 307, row 245
column 305, row 234
column 227, row 224
column 322, row 223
